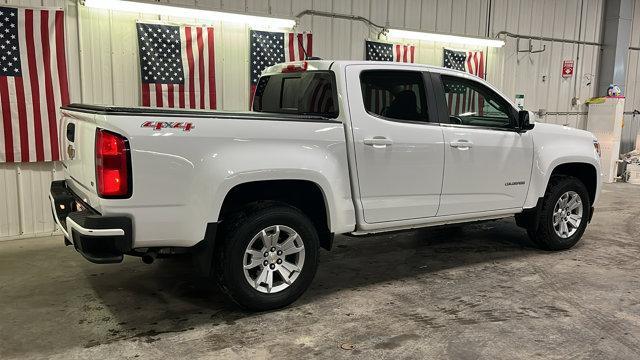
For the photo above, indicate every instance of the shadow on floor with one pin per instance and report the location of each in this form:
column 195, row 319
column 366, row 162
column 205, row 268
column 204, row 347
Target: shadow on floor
column 168, row 297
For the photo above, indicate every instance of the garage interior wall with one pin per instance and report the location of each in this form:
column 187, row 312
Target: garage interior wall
column 632, row 94
column 103, row 63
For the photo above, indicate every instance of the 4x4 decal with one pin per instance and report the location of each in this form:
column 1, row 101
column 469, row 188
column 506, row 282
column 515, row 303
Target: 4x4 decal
column 159, row 125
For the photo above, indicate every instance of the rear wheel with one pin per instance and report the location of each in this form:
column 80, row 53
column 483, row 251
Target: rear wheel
column 269, row 258
column 562, row 219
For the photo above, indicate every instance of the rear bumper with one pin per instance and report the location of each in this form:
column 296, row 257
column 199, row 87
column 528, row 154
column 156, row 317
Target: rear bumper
column 100, row 239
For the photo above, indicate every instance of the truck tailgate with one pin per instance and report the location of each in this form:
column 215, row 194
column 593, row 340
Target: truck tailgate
column 78, row 152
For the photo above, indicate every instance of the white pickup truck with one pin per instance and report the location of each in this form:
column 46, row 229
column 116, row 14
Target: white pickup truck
column 331, row 147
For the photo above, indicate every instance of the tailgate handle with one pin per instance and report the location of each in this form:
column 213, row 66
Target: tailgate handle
column 71, row 132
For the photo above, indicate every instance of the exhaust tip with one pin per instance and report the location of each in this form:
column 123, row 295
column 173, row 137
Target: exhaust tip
column 149, row 258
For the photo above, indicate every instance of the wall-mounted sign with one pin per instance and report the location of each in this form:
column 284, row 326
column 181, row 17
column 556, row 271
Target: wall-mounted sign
column 567, row 68
column 520, row 101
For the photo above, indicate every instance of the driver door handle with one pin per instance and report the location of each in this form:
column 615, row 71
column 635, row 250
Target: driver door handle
column 461, row 144
column 378, row 141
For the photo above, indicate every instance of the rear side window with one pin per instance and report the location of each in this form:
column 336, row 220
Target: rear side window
column 396, row 95
column 304, row 93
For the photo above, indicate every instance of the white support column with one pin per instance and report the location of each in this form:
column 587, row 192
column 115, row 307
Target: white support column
column 616, row 36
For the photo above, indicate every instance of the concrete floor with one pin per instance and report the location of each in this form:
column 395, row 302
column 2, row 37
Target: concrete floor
column 479, row 292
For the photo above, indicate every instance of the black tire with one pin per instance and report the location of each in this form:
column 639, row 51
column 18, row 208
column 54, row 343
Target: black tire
column 542, row 232
column 241, row 227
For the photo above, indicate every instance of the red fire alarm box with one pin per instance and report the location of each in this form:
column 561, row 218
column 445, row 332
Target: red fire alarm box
column 567, row 68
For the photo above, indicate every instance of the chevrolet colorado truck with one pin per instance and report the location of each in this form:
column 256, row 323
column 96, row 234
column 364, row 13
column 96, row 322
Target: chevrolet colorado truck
column 331, row 147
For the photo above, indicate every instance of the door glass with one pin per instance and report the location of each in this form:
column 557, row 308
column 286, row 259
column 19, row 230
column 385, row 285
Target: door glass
column 307, row 93
column 471, row 103
column 395, row 95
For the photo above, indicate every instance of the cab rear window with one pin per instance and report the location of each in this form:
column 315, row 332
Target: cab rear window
column 304, row 93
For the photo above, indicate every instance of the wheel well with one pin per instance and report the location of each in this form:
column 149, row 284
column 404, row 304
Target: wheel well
column 584, row 172
column 302, row 194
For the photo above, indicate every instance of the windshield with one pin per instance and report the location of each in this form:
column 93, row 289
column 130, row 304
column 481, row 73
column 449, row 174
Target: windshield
column 304, row 93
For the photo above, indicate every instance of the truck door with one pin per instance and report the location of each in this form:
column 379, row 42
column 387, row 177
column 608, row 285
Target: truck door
column 487, row 161
column 399, row 149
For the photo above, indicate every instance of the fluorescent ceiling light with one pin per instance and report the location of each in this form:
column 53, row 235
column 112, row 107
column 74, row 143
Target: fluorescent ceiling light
column 454, row 39
column 158, row 9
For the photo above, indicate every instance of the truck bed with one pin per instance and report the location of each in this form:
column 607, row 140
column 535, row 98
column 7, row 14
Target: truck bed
column 180, row 175
column 198, row 113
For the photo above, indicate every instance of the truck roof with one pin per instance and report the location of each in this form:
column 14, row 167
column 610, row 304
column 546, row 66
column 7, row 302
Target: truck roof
column 335, row 64
column 330, row 64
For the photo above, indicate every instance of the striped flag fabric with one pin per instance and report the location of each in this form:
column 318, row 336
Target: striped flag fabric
column 268, row 48
column 177, row 66
column 381, row 51
column 33, row 83
column 464, row 100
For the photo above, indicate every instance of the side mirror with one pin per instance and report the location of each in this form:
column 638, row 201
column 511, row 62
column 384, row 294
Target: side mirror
column 524, row 122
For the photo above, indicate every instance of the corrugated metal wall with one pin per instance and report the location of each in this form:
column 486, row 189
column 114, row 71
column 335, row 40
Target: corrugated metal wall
column 632, row 101
column 24, row 188
column 104, row 67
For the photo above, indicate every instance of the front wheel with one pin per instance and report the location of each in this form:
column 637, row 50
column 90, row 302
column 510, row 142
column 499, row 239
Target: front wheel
column 564, row 214
column 269, row 258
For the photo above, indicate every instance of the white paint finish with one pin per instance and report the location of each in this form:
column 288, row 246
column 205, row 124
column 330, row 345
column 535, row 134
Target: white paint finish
column 475, row 178
column 555, row 145
column 82, row 165
column 194, row 171
column 402, row 180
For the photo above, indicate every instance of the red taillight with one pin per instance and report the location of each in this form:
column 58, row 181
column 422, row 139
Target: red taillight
column 291, row 68
column 112, row 165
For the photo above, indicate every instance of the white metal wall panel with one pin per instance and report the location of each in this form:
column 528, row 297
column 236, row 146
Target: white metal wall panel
column 24, row 205
column 109, row 65
column 632, row 90
column 359, row 30
column 538, row 76
column 9, row 204
column 102, row 58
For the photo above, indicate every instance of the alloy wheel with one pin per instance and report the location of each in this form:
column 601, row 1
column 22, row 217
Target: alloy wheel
column 273, row 259
column 567, row 214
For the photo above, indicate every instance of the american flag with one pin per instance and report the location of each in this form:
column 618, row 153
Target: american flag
column 380, row 51
column 269, row 48
column 463, row 99
column 177, row 66
column 33, row 83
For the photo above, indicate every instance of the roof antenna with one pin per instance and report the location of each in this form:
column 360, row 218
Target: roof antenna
column 306, row 56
